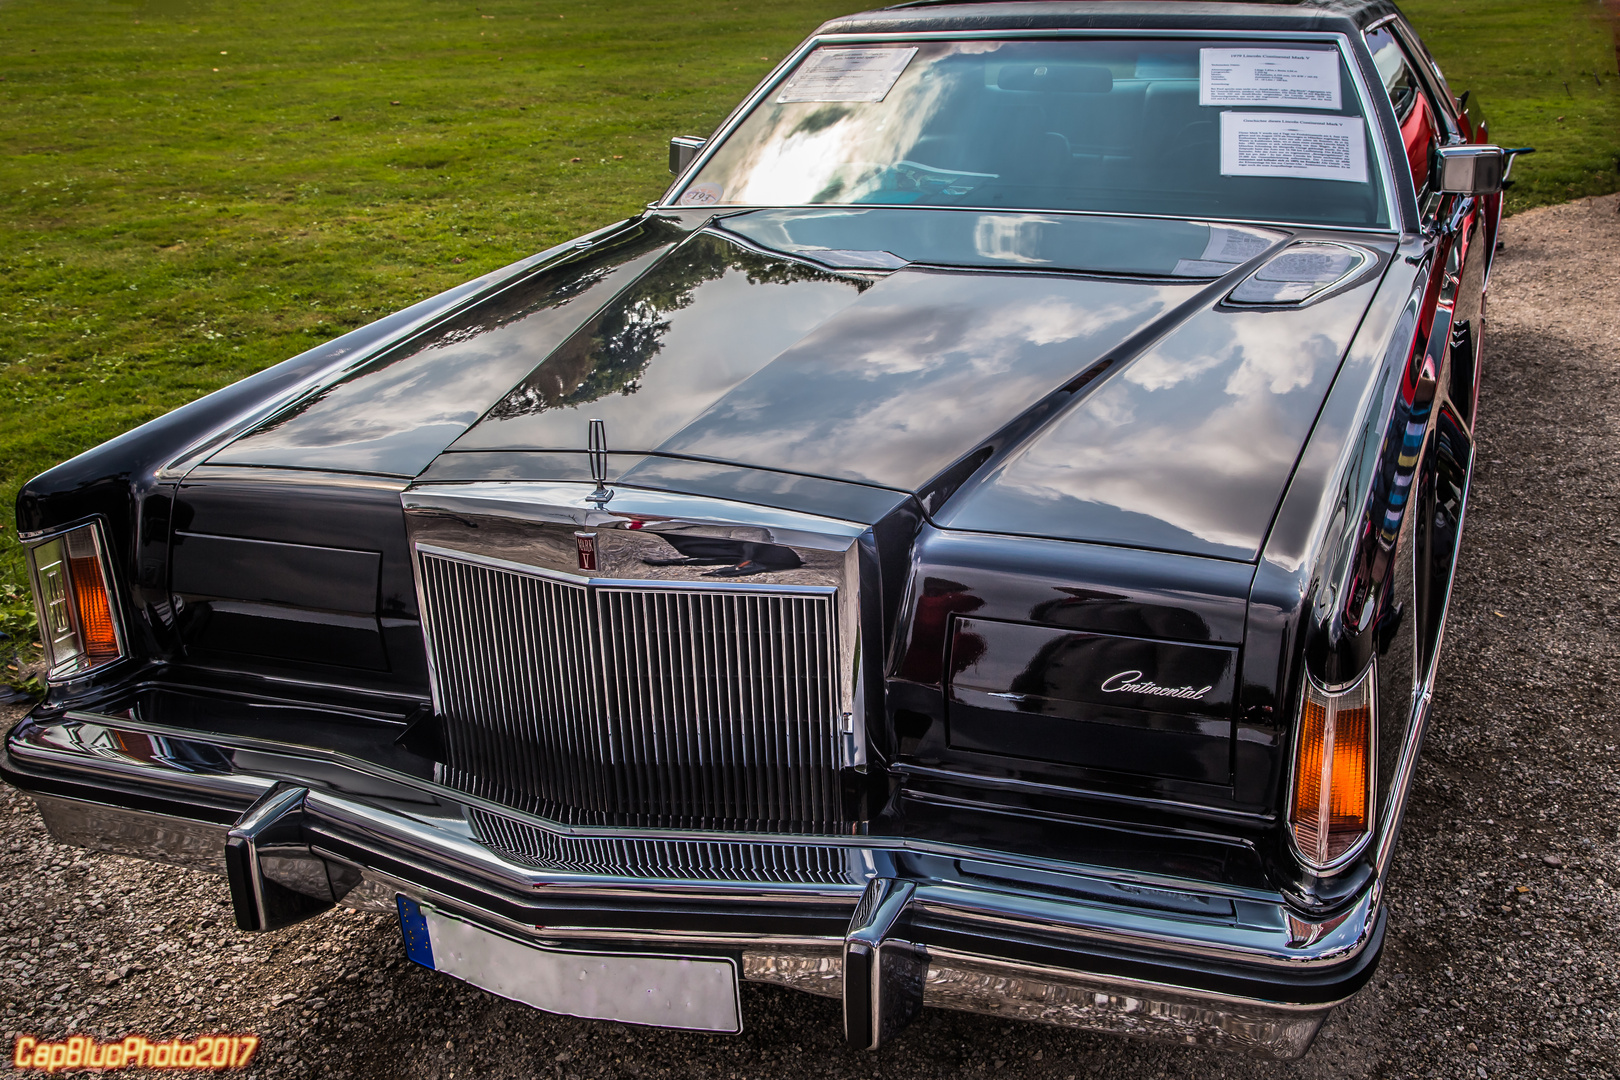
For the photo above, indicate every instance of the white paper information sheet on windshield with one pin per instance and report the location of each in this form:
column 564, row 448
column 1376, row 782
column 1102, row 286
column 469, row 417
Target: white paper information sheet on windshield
column 847, row 75
column 1306, row 78
column 1302, row 145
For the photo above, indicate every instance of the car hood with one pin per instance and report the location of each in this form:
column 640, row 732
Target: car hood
column 897, row 350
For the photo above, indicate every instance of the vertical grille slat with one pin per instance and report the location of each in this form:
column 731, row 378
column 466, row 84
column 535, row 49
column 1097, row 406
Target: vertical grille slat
column 624, row 704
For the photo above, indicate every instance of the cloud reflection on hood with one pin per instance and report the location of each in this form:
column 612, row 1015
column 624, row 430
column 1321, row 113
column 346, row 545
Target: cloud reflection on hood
column 899, row 385
column 395, row 413
column 1188, row 448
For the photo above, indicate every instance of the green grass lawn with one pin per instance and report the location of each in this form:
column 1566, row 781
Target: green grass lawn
column 191, row 190
column 1545, row 73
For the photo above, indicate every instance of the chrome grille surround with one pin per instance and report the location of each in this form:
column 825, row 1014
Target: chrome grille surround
column 653, row 688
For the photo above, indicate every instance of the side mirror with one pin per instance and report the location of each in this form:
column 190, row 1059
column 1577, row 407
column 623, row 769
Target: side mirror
column 1471, row 170
column 682, row 149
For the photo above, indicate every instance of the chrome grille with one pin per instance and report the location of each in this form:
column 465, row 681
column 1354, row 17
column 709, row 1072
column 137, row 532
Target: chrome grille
column 709, row 706
column 680, row 860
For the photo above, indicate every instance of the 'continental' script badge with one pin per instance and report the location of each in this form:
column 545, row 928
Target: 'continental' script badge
column 1133, row 682
column 585, row 544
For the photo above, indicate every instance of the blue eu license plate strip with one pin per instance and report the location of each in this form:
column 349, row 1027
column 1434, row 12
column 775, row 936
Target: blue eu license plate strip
column 413, row 924
column 697, row 993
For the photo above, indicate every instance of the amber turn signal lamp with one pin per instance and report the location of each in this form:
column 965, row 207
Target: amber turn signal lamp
column 95, row 608
column 1333, row 771
column 78, row 621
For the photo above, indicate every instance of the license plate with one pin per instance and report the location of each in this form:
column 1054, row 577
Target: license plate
column 694, row 993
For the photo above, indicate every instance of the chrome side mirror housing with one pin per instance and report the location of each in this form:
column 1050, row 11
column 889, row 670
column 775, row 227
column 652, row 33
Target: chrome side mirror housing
column 1471, row 170
column 682, row 150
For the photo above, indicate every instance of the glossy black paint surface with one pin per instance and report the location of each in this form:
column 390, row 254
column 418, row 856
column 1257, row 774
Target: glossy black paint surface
column 1022, row 690
column 289, row 601
column 713, row 351
column 883, row 379
column 721, row 353
column 1368, row 532
column 691, row 329
column 129, row 482
column 1184, row 613
column 1185, row 447
column 296, row 573
column 394, row 414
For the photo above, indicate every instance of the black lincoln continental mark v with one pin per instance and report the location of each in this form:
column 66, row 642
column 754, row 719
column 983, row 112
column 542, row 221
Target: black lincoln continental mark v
column 981, row 540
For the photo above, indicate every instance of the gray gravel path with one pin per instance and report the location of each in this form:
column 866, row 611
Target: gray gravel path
column 1502, row 953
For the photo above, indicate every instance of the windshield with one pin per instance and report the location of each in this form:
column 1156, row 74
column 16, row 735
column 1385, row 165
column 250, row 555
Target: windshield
column 1215, row 129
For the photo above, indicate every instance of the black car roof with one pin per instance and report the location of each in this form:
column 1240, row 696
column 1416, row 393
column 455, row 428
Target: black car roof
column 922, row 16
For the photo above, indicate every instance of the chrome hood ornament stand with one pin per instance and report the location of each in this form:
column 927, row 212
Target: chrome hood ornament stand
column 598, row 452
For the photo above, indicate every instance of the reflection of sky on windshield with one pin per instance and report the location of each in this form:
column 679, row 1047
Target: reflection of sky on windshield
column 832, row 152
column 1103, row 125
column 1189, row 447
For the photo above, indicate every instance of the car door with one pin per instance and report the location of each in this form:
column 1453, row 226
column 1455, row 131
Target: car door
column 1442, row 383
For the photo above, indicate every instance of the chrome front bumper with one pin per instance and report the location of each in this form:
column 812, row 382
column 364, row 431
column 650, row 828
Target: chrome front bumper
column 892, row 926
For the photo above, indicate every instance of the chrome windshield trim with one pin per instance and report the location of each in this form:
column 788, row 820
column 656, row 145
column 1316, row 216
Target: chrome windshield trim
column 736, row 209
column 668, row 201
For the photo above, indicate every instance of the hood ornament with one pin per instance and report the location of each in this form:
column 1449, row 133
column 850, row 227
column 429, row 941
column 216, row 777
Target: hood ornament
column 598, row 452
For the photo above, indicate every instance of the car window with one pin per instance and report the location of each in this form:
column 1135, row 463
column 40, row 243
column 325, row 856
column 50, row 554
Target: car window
column 1417, row 114
column 1419, row 49
column 1200, row 128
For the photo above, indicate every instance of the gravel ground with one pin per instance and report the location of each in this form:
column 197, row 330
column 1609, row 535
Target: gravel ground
column 1504, row 934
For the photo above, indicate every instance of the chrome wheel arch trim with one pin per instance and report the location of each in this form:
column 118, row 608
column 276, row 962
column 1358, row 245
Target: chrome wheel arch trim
column 1422, row 703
